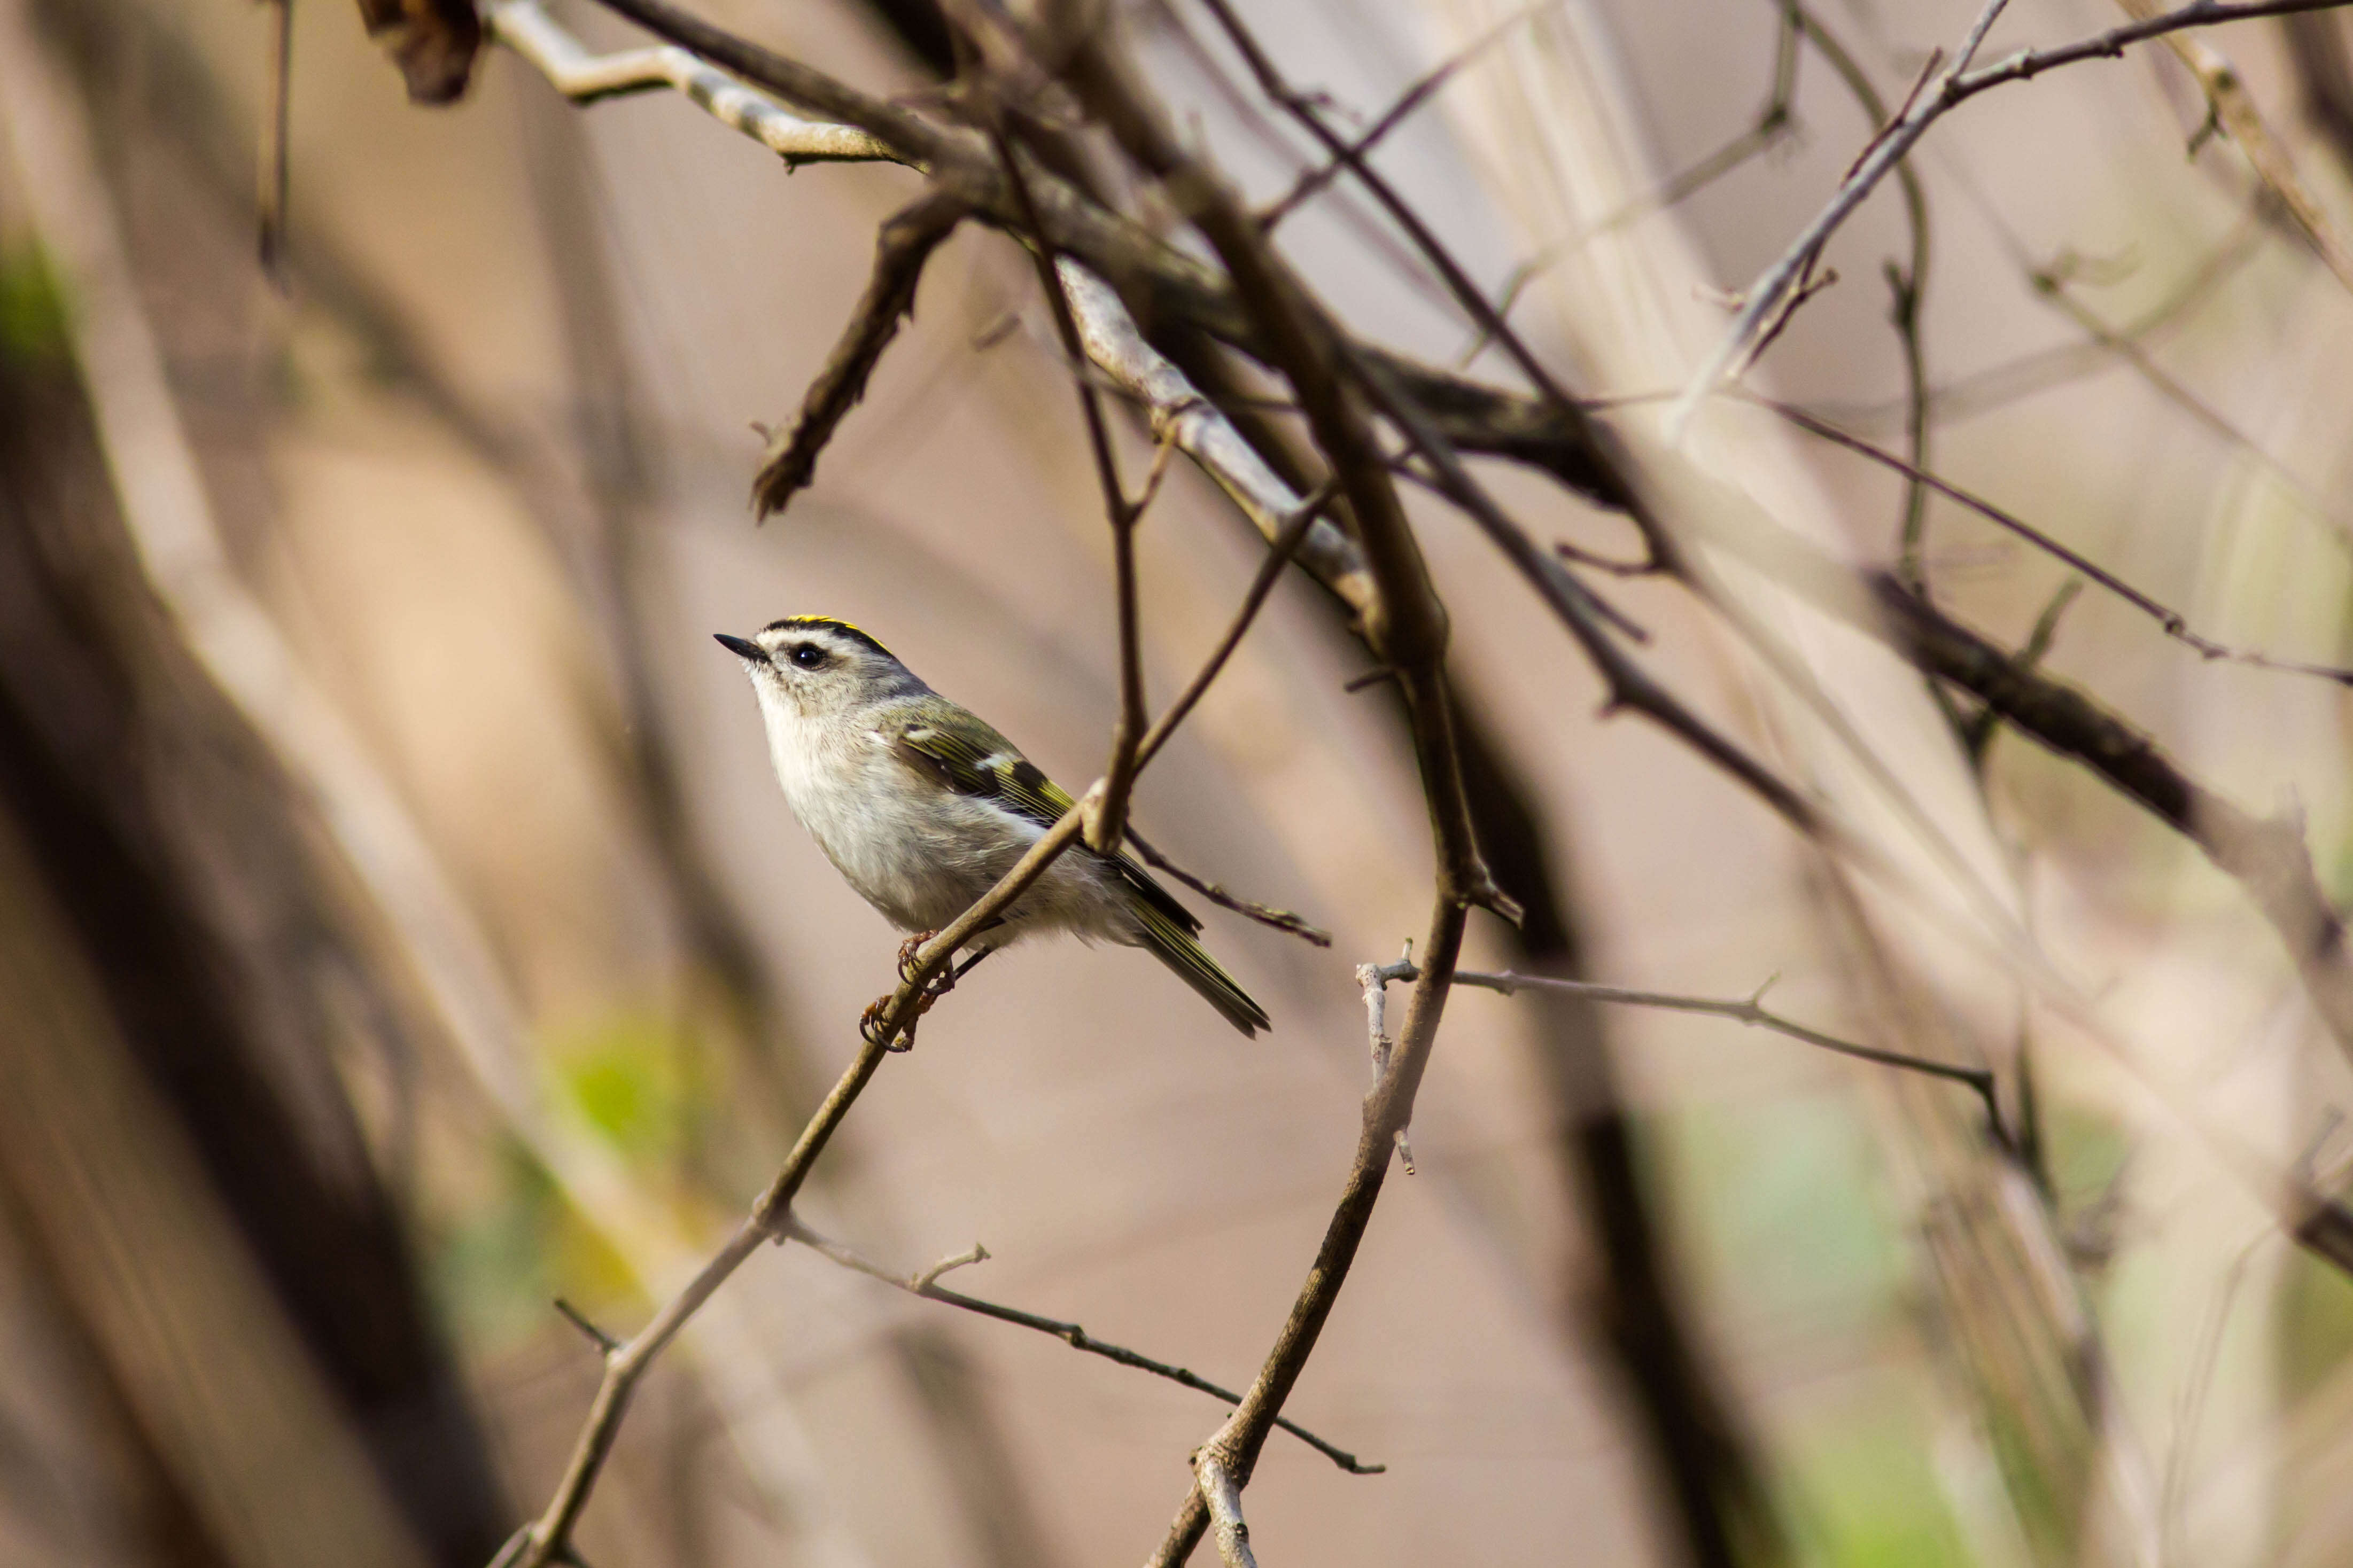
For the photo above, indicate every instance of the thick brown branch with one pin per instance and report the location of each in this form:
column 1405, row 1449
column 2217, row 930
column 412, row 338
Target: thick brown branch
column 906, row 242
column 2266, row 856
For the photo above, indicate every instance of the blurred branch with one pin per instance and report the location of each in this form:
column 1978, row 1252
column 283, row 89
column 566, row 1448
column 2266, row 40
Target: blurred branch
column 1999, row 384
column 1305, row 108
column 272, row 199
column 2266, row 857
column 2233, row 108
column 435, row 42
column 906, row 241
column 2170, row 621
column 1776, row 121
column 1955, row 85
column 2052, row 282
column 1155, row 277
column 1908, row 289
column 1576, row 604
column 927, row 1286
column 1421, row 90
column 1978, row 732
column 2324, row 74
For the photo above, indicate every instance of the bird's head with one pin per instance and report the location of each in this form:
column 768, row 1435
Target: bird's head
column 816, row 667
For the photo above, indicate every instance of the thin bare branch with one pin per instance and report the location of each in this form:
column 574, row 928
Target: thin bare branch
column 605, row 1344
column 1907, row 287
column 1957, row 85
column 2052, row 283
column 1998, row 385
column 1265, row 914
column 1748, row 1010
column 2266, row 857
column 1773, row 124
column 926, row 1285
column 1180, row 415
column 2170, row 621
column 888, row 1026
column 1269, row 568
column 1407, row 626
column 1305, row 109
column 1107, row 816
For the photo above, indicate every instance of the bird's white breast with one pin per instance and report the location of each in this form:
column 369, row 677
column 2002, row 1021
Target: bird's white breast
column 916, row 851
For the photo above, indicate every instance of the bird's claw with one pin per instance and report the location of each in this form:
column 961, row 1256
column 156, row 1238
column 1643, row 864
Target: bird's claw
column 910, row 950
column 869, row 1023
column 869, row 1026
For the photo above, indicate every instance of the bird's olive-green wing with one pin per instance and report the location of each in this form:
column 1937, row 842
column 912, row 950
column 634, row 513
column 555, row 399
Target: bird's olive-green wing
column 971, row 758
column 966, row 754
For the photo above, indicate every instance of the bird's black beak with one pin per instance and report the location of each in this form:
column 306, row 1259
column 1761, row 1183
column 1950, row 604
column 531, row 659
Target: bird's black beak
column 743, row 648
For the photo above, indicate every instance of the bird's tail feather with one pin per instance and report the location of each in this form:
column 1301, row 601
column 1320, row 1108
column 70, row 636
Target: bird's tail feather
column 1175, row 947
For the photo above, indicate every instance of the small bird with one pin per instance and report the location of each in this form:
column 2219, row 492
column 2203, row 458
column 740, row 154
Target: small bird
column 922, row 806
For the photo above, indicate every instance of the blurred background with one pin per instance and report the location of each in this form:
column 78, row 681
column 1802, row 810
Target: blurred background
column 400, row 928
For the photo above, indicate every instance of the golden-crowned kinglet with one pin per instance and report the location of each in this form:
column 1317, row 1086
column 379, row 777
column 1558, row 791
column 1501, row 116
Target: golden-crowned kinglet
column 922, row 806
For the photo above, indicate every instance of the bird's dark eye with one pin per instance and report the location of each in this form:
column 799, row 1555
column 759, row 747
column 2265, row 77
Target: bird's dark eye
column 809, row 655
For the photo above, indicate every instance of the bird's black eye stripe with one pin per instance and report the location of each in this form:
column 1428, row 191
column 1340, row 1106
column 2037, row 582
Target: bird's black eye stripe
column 807, row 654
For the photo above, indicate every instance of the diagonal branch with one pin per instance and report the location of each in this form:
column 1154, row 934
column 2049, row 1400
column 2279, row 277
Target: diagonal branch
column 2266, row 857
column 907, row 239
column 525, row 27
column 1223, row 1494
column 2232, row 107
column 1265, row 914
column 1421, row 90
column 2170, row 621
